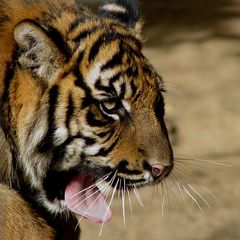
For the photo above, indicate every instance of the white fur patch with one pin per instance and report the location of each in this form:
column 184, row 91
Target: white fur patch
column 148, row 176
column 114, row 8
column 54, row 207
column 60, row 135
column 92, row 150
column 126, row 106
column 75, row 148
column 94, row 74
column 106, row 75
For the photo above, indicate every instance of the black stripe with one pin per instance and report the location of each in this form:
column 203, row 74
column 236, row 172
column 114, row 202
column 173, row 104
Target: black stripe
column 111, row 36
column 132, row 72
column 84, row 34
column 137, row 95
column 8, row 77
column 57, row 38
column 116, row 59
column 60, row 150
column 160, row 111
column 4, row 19
column 47, row 143
column 147, row 70
column 159, row 108
column 128, row 182
column 89, row 141
column 115, row 78
column 92, row 121
column 105, row 151
column 133, row 87
column 95, row 48
column 104, row 134
column 120, row 16
column 103, row 39
column 122, row 168
column 70, row 111
column 108, row 89
column 6, row 106
column 136, row 42
column 110, row 134
column 79, row 82
column 147, row 166
column 123, row 91
column 76, row 23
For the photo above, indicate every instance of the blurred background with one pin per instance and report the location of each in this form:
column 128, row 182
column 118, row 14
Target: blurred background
column 195, row 47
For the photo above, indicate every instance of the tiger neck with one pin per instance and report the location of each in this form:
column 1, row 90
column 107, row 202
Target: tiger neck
column 65, row 228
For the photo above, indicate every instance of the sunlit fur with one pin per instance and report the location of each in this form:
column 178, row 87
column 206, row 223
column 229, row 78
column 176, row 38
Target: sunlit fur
column 59, row 66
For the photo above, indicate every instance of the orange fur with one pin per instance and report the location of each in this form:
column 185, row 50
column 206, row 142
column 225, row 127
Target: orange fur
column 18, row 221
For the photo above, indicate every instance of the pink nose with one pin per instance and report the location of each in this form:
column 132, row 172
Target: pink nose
column 158, row 169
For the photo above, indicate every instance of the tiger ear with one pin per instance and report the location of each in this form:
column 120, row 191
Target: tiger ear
column 124, row 11
column 36, row 51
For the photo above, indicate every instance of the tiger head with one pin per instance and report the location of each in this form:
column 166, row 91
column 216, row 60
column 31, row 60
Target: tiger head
column 83, row 105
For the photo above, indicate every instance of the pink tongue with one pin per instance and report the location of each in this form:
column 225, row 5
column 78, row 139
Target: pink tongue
column 90, row 203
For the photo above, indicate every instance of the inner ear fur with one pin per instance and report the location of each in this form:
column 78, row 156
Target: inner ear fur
column 36, row 51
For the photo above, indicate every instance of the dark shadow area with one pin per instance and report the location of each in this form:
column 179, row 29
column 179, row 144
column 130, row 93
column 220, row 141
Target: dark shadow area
column 166, row 21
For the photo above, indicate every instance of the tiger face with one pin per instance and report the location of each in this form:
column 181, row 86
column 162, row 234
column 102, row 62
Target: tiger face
column 82, row 106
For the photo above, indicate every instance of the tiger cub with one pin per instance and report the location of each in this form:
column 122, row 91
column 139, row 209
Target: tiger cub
column 82, row 111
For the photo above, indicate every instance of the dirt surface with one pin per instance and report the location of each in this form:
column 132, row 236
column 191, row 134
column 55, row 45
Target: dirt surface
column 195, row 46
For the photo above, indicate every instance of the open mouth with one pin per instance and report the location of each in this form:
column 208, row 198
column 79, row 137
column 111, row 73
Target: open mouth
column 84, row 196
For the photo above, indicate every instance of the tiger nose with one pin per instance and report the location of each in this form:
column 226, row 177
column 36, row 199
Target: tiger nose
column 158, row 169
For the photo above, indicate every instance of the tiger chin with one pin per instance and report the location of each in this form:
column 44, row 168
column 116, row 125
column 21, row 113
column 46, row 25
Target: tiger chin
column 81, row 108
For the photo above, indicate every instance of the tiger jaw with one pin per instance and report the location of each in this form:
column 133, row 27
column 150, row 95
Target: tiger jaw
column 84, row 189
column 85, row 196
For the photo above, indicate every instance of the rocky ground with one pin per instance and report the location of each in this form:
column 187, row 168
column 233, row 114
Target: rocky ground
column 195, row 46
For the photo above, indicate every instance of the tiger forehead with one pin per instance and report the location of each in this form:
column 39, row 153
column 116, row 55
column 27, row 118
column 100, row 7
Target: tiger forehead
column 119, row 70
column 85, row 25
column 117, row 74
column 90, row 38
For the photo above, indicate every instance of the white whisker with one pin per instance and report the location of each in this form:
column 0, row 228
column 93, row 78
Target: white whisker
column 110, row 202
column 191, row 196
column 102, row 192
column 163, row 201
column 105, row 187
column 102, row 179
column 200, row 196
column 189, row 160
column 180, row 191
column 210, row 193
column 98, row 190
column 167, row 193
column 123, row 204
column 118, row 190
column 130, row 203
column 83, row 196
column 138, row 196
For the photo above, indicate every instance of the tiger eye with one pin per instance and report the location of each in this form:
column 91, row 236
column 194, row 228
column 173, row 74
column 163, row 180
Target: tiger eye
column 109, row 105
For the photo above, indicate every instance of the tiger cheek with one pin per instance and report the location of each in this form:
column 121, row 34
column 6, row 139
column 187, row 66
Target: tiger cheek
column 126, row 150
